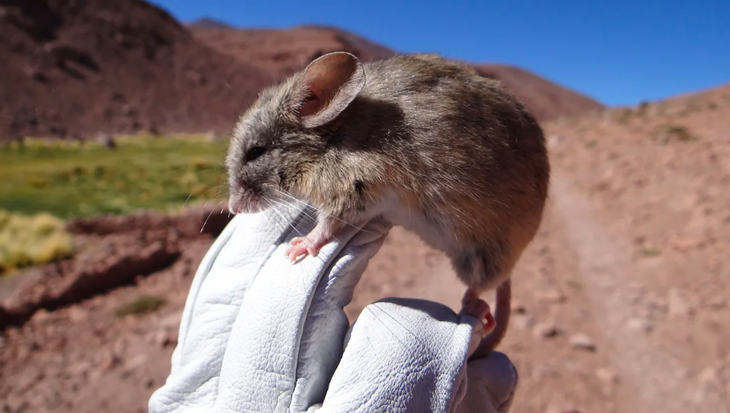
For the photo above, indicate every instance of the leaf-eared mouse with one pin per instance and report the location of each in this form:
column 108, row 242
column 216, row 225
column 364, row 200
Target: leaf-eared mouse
column 422, row 141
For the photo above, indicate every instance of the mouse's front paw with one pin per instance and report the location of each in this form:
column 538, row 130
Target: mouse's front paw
column 300, row 247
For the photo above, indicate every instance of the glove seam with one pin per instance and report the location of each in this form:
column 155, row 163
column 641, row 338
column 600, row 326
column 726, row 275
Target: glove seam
column 328, row 267
column 464, row 358
column 209, row 266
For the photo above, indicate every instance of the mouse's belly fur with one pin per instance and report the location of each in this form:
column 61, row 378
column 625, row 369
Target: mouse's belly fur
column 481, row 265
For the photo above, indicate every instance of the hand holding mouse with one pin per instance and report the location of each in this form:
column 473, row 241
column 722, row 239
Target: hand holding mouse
column 262, row 335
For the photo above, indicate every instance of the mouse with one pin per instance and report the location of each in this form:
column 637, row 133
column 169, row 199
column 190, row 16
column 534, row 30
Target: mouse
column 417, row 139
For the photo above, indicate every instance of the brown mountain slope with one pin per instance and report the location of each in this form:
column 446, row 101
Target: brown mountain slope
column 81, row 66
column 207, row 23
column 85, row 66
column 282, row 52
column 544, row 98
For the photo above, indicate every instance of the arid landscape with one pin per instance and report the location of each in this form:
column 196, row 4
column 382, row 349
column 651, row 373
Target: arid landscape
column 621, row 303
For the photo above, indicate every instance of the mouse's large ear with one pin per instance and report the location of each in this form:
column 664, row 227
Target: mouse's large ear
column 329, row 84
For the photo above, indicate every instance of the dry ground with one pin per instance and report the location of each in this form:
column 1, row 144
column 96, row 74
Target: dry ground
column 621, row 302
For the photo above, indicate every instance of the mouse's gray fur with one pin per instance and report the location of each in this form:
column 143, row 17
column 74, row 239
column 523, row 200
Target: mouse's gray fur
column 421, row 140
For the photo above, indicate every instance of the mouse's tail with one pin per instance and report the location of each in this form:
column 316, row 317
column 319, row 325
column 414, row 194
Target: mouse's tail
column 501, row 318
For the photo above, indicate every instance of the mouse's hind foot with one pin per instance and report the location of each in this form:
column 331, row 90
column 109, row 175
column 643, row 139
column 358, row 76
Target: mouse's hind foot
column 474, row 306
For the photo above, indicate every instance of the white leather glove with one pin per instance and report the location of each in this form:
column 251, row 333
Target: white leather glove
column 259, row 334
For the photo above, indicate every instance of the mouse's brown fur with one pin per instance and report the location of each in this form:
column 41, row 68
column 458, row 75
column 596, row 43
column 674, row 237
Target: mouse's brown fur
column 421, row 140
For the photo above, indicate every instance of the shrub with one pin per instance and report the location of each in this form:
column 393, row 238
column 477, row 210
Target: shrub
column 31, row 240
column 675, row 133
column 141, row 305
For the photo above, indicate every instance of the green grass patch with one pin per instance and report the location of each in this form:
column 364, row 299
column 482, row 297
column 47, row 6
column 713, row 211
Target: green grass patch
column 141, row 305
column 31, row 240
column 72, row 179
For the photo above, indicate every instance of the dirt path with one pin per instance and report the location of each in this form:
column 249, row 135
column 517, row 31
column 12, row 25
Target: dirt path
column 652, row 376
column 580, row 275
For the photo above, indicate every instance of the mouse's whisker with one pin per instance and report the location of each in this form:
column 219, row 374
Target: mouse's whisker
column 283, row 217
column 206, row 221
column 294, row 199
column 186, row 200
column 289, row 196
column 269, row 219
column 288, row 205
column 284, row 203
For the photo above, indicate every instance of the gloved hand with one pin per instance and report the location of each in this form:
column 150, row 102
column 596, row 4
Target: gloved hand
column 259, row 334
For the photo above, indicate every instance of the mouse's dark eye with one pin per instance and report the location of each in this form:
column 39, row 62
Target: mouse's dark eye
column 254, row 153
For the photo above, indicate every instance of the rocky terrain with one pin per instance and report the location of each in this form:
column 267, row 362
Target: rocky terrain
column 75, row 68
column 72, row 68
column 621, row 302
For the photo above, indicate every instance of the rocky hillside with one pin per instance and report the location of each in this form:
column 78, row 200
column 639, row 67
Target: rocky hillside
column 207, row 23
column 282, row 52
column 544, row 98
column 73, row 67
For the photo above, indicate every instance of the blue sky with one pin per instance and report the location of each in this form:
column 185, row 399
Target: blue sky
column 619, row 52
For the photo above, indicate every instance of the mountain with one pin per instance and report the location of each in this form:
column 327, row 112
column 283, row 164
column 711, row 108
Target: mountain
column 283, row 52
column 76, row 67
column 73, row 68
column 545, row 99
column 207, row 23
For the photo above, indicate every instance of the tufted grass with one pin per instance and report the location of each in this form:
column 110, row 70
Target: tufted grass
column 141, row 305
column 31, row 240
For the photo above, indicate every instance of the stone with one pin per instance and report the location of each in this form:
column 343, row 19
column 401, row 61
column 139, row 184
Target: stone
column 80, row 368
column 708, row 375
column 518, row 308
column 164, row 338
column 582, row 342
column 546, row 329
column 640, row 324
column 607, row 376
column 76, row 314
column 41, row 316
column 717, row 303
column 109, row 361
column 135, row 362
column 521, row 321
column 552, row 296
column 676, row 304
